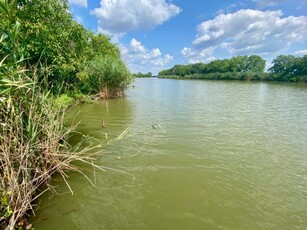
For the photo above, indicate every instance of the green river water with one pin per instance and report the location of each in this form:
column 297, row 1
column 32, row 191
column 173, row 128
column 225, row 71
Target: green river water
column 199, row 155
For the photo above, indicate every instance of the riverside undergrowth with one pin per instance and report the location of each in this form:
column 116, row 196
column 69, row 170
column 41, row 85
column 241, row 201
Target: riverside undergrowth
column 40, row 62
column 33, row 142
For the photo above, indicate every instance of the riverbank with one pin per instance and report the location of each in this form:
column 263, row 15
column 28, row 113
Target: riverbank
column 44, row 68
column 245, row 76
column 33, row 146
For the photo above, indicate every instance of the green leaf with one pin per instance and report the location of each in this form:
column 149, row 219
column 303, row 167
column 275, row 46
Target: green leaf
column 3, row 7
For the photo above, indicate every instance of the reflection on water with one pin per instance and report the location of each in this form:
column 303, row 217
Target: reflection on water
column 199, row 155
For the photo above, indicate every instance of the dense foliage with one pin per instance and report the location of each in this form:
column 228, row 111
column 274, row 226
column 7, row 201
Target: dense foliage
column 223, row 76
column 290, row 68
column 105, row 77
column 48, row 35
column 238, row 64
column 285, row 68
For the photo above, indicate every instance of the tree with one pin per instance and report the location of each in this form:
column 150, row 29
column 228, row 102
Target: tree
column 301, row 65
column 142, row 75
column 239, row 64
column 290, row 68
column 101, row 45
column 47, row 33
column 255, row 64
column 284, row 64
column 49, row 36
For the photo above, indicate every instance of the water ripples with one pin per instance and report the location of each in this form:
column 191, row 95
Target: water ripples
column 199, row 155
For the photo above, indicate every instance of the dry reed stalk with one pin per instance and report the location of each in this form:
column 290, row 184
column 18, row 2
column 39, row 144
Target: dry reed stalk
column 33, row 146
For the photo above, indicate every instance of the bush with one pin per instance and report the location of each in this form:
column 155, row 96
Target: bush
column 107, row 77
column 64, row 101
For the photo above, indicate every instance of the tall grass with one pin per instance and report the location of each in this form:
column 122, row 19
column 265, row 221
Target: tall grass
column 105, row 77
column 33, row 141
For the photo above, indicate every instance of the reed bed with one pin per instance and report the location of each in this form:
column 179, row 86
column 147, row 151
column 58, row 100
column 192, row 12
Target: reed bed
column 33, row 144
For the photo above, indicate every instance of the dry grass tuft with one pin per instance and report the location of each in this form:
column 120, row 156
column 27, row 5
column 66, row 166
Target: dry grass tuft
column 33, row 145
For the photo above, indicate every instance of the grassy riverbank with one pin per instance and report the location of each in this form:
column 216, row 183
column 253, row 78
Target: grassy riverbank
column 45, row 67
column 33, row 145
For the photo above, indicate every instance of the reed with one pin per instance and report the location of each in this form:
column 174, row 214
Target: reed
column 33, row 143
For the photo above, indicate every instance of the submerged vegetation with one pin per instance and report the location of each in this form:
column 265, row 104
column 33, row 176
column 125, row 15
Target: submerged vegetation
column 44, row 53
column 285, row 68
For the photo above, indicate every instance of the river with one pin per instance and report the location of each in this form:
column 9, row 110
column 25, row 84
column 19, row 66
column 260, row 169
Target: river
column 198, row 155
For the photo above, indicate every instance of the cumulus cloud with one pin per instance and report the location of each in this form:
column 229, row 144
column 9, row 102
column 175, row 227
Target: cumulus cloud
column 196, row 56
column 301, row 52
column 82, row 3
column 136, row 46
column 140, row 59
column 247, row 32
column 121, row 16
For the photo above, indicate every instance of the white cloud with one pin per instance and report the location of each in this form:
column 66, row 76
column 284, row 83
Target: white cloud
column 301, row 52
column 82, row 3
column 155, row 52
column 196, row 56
column 136, row 46
column 121, row 16
column 140, row 59
column 247, row 32
column 266, row 3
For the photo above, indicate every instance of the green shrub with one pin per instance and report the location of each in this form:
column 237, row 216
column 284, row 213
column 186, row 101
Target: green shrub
column 64, row 101
column 105, row 76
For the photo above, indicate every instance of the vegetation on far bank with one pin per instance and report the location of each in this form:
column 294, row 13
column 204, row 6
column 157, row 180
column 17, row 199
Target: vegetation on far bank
column 44, row 53
column 285, row 68
column 142, row 75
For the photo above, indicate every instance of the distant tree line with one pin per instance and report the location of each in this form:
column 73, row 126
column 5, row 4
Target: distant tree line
column 238, row 64
column 285, row 68
column 142, row 75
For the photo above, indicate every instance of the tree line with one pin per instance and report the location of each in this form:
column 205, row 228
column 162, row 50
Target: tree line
column 284, row 68
column 142, row 75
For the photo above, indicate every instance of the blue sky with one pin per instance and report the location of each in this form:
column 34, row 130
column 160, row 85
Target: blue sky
column 157, row 34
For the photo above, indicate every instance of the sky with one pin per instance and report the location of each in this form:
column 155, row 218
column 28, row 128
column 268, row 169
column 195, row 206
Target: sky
column 154, row 35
